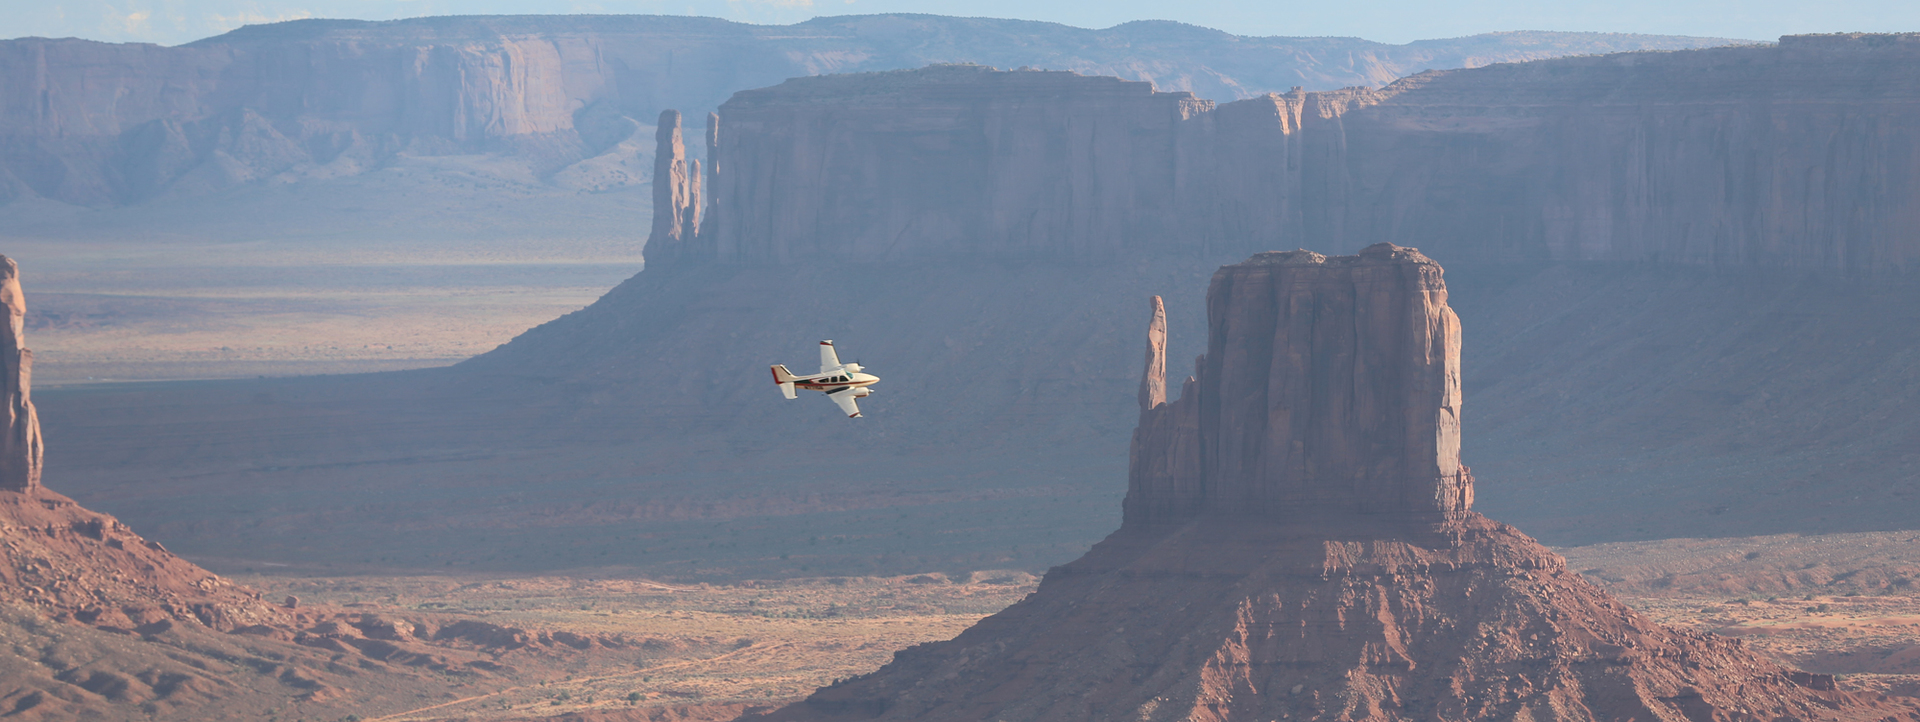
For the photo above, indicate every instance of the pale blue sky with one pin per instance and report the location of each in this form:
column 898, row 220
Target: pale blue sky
column 176, row 21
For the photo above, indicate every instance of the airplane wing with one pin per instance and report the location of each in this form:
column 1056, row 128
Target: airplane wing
column 829, row 360
column 844, row 398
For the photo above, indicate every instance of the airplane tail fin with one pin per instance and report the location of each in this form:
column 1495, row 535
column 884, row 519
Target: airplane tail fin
column 784, row 378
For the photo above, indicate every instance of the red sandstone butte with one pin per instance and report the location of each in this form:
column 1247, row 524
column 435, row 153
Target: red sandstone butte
column 1298, row 545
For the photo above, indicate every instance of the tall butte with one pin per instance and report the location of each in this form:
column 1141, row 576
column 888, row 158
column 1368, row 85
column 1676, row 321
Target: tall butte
column 1298, row 544
column 77, row 565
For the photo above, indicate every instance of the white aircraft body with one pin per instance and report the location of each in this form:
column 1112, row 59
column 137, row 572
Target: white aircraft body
column 841, row 382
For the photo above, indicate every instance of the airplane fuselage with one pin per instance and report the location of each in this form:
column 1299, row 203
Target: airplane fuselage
column 837, row 382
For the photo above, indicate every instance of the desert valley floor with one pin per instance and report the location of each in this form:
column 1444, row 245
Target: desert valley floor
column 1843, row 604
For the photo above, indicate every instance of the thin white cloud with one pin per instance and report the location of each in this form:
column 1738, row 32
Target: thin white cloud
column 134, row 23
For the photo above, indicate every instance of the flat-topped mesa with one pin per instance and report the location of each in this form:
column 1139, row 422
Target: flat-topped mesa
column 20, row 448
column 1330, row 389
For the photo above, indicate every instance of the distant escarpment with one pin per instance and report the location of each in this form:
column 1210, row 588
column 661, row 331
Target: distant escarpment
column 1796, row 155
column 558, row 97
column 1306, row 563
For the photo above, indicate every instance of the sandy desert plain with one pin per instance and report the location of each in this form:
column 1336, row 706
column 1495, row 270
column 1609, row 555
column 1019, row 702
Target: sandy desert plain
column 1841, row 604
column 407, row 267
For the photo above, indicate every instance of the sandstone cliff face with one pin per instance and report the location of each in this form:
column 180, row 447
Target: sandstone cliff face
column 1757, row 156
column 967, row 161
column 101, row 124
column 1792, row 155
column 1795, row 155
column 1369, row 605
column 676, row 191
column 947, row 161
column 1330, row 385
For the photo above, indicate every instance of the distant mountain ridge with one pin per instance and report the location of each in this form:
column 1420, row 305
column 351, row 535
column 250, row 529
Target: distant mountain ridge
column 566, row 100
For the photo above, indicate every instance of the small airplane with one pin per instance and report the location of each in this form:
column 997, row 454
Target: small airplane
column 841, row 382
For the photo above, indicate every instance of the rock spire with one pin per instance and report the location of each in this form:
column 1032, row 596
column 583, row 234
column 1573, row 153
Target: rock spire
column 1153, row 381
column 20, row 448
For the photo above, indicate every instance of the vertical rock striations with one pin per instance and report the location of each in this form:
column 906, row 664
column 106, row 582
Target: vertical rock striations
column 1330, row 386
column 710, row 216
column 690, row 215
column 948, row 161
column 1797, row 155
column 676, row 193
column 20, row 449
column 1298, row 546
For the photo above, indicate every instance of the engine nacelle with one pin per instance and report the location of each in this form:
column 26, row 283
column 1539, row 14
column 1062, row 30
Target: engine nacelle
column 850, row 368
column 862, row 392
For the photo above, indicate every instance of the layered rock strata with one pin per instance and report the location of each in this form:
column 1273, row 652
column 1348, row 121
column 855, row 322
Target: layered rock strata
column 947, row 161
column 1305, row 555
column 100, row 123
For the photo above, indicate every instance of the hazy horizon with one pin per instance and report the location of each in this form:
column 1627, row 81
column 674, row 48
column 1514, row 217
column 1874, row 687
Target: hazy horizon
column 172, row 22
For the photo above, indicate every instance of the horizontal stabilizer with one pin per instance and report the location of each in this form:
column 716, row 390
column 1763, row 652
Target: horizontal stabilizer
column 784, row 378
